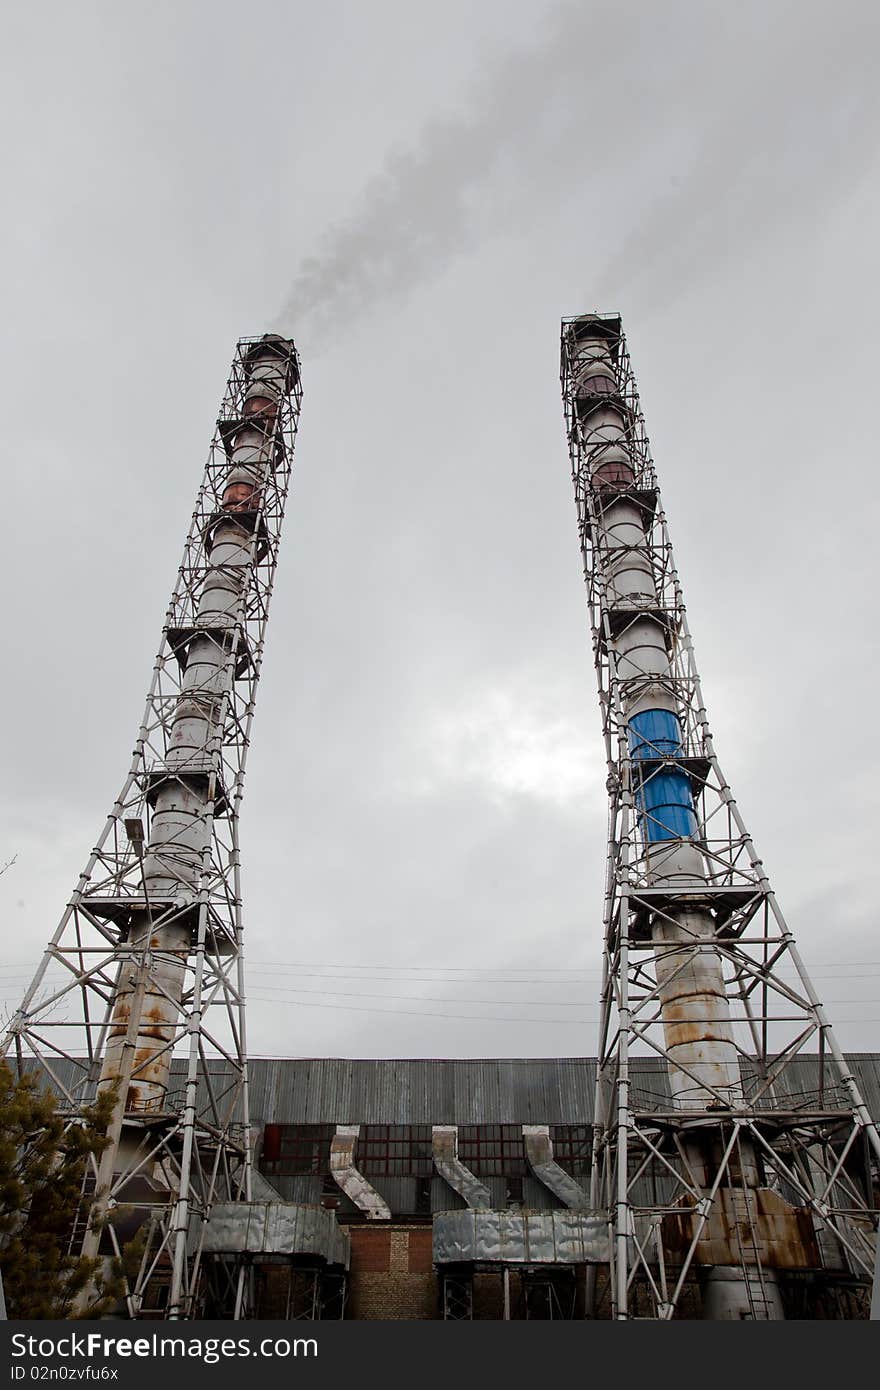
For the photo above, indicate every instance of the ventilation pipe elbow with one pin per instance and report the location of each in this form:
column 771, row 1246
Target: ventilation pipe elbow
column 539, row 1153
column 454, row 1172
column 352, row 1182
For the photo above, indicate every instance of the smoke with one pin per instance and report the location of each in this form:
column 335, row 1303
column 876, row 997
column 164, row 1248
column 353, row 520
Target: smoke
column 431, row 201
column 692, row 131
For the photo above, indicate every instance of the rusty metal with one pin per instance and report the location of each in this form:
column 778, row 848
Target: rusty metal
column 755, row 1220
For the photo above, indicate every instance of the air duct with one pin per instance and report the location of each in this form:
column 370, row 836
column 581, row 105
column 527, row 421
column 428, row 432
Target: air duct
column 539, row 1152
column 453, row 1171
column 353, row 1183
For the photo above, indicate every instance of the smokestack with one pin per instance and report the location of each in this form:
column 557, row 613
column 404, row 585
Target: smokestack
column 187, row 790
column 151, row 938
column 696, row 1010
column 638, row 634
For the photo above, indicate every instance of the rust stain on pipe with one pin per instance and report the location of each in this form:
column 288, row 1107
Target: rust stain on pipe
column 750, row 1226
column 241, row 497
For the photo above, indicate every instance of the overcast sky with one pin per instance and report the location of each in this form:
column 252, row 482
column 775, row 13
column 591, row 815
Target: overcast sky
column 418, row 193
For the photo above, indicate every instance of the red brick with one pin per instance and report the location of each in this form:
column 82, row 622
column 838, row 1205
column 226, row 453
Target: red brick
column 420, row 1252
column 370, row 1250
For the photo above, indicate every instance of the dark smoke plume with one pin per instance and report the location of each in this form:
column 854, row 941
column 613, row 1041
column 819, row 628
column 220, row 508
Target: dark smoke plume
column 672, row 117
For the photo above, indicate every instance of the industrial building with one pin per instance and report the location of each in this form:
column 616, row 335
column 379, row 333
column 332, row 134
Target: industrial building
column 718, row 1159
column 505, row 1232
column 445, row 1189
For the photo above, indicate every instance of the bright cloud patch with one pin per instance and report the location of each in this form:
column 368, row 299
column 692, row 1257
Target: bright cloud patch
column 515, row 746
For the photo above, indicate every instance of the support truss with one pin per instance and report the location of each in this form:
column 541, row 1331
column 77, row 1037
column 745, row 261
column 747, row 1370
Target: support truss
column 141, row 987
column 713, row 1160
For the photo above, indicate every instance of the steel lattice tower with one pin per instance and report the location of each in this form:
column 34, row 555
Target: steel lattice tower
column 146, row 963
column 722, row 1176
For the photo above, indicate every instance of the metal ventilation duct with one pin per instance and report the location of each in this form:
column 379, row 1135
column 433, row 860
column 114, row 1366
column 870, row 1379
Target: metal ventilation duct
column 451, row 1168
column 539, row 1152
column 346, row 1175
column 514, row 1237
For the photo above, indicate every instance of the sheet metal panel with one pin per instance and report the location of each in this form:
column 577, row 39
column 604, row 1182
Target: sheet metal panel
column 452, row 1091
column 276, row 1228
column 339, row 1093
column 497, row 1191
column 307, row 1190
column 466, row 1088
column 440, row 1093
column 535, row 1195
column 419, row 1091
column 400, row 1193
column 554, row 1237
column 866, row 1066
column 442, row 1196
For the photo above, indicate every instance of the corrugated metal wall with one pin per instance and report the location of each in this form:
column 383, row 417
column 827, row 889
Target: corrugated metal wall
column 411, row 1092
column 335, row 1090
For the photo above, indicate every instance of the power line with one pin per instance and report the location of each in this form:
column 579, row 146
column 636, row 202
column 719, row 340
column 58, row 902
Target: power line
column 424, row 1013
column 403, row 978
column 511, row 970
column 287, row 991
column 461, row 999
column 476, row 1018
column 429, row 998
column 398, row 973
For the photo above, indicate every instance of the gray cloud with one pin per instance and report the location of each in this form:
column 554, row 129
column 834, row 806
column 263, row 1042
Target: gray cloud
column 787, row 134
column 785, row 103
column 429, row 200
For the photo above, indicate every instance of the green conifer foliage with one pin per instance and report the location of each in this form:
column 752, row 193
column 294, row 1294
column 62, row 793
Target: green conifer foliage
column 43, row 1161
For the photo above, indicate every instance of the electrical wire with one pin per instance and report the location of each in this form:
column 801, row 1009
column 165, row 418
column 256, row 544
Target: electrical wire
column 399, row 973
column 289, row 992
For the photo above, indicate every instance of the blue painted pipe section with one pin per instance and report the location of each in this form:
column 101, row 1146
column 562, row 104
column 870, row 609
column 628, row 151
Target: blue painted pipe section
column 664, row 798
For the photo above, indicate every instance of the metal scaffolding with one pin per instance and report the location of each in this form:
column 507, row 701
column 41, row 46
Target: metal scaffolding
column 146, row 962
column 729, row 1184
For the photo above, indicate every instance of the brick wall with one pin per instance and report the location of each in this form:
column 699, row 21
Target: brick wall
column 391, row 1275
